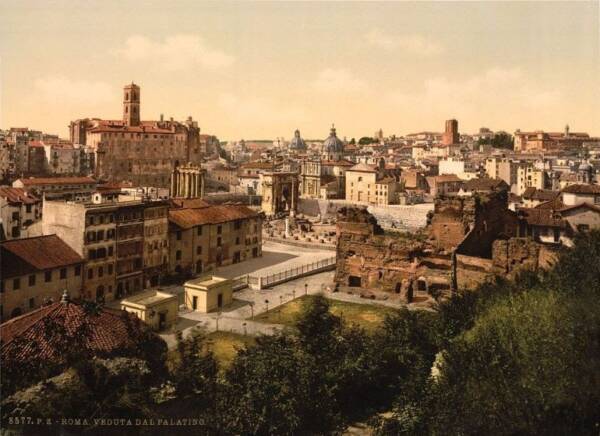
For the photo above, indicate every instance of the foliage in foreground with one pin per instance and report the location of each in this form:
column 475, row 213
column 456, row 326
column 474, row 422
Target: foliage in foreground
column 515, row 357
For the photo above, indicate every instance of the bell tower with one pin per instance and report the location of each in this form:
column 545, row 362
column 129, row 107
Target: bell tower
column 131, row 105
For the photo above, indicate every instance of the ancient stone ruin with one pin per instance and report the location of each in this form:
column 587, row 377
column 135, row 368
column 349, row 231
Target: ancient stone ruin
column 467, row 241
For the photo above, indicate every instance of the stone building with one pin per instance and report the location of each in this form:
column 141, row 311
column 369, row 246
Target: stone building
column 451, row 136
column 110, row 236
column 35, row 272
column 374, row 185
column 323, row 179
column 279, row 193
column 134, row 150
column 187, row 181
column 203, row 237
column 156, row 242
column 64, row 188
column 528, row 176
column 467, row 241
column 20, row 213
column 207, row 294
column 155, row 308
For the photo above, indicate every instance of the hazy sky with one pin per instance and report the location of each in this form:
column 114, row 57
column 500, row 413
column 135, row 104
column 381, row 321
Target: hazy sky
column 261, row 70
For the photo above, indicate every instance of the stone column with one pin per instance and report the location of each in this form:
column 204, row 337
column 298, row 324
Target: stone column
column 201, row 184
column 174, row 183
column 293, row 205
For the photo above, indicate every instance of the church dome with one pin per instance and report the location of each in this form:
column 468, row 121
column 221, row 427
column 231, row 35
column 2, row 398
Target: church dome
column 297, row 143
column 333, row 144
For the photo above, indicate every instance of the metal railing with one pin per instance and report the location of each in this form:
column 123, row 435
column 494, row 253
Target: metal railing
column 298, row 271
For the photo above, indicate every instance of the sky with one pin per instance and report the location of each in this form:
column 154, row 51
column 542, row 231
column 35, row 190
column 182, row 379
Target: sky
column 259, row 70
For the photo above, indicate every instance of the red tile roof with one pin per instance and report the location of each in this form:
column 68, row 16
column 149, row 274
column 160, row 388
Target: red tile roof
column 41, row 252
column 57, row 181
column 17, row 195
column 188, row 218
column 43, row 333
column 582, row 189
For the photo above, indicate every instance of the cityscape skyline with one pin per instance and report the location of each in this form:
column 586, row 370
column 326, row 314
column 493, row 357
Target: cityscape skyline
column 260, row 71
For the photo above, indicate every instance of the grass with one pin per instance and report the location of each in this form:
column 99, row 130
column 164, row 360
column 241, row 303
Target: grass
column 224, row 345
column 367, row 316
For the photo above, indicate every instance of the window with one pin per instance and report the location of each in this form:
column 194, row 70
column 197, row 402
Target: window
column 237, row 225
column 237, row 241
column 90, row 274
column 77, row 270
column 16, row 284
column 218, row 242
column 110, row 251
column 178, row 255
column 110, row 269
column 48, row 276
column 32, row 280
column 219, row 230
column 199, row 230
column 198, row 249
column 100, row 235
column 63, row 273
column 28, row 208
column 100, row 271
column 178, row 235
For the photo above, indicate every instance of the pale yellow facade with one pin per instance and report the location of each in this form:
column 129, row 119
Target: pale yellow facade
column 27, row 292
column 529, row 177
column 155, row 308
column 207, row 294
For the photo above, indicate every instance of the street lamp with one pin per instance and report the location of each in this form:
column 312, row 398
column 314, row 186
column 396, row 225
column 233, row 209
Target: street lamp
column 217, row 320
column 280, row 303
column 305, row 288
column 267, row 305
column 244, row 325
column 252, row 310
column 294, row 293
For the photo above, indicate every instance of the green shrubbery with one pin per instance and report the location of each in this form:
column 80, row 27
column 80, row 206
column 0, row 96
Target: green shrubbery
column 512, row 358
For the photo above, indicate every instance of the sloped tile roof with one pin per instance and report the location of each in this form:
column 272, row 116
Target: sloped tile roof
column 17, row 195
column 57, row 180
column 582, row 189
column 215, row 214
column 43, row 333
column 42, row 252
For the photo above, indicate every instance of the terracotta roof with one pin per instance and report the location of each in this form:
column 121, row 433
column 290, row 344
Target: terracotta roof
column 533, row 193
column 259, row 165
column 57, row 180
column 444, row 178
column 35, row 335
column 40, row 252
column 339, row 163
column 555, row 204
column 542, row 217
column 485, row 184
column 17, row 195
column 188, row 203
column 362, row 167
column 215, row 214
column 581, row 205
column 582, row 189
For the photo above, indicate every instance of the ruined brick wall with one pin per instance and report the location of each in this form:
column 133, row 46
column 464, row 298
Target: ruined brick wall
column 489, row 219
column 452, row 218
column 397, row 263
column 518, row 254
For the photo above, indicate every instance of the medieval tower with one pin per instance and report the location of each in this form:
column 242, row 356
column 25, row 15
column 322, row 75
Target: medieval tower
column 131, row 105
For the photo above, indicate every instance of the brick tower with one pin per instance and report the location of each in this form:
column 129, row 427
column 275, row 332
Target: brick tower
column 131, row 105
